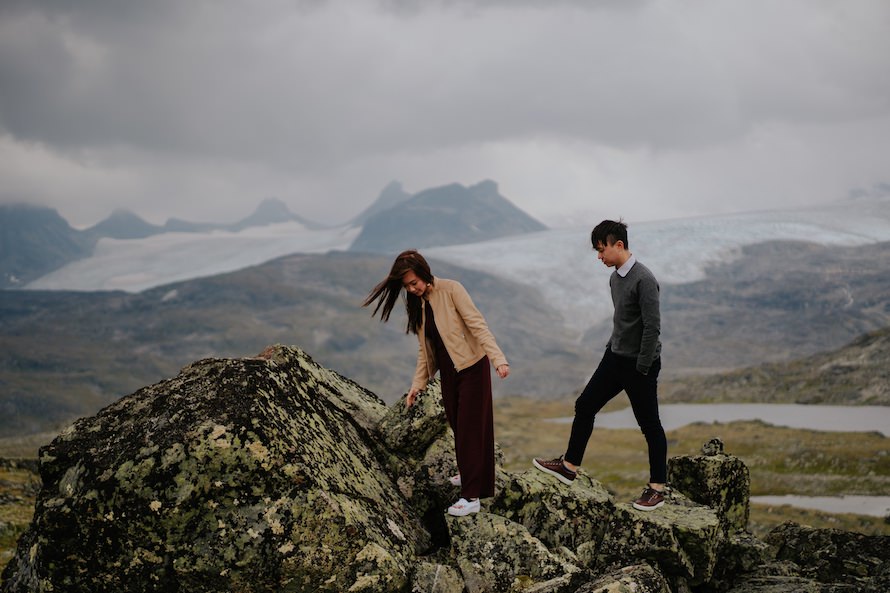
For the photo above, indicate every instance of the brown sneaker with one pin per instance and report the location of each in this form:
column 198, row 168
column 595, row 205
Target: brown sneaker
column 556, row 468
column 649, row 500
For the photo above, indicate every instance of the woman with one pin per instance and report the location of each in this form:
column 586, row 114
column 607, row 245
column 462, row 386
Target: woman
column 455, row 340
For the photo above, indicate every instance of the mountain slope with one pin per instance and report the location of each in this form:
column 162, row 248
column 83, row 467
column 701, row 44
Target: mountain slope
column 35, row 241
column 779, row 301
column 65, row 354
column 392, row 195
column 123, row 224
column 447, row 215
column 270, row 211
column 858, row 373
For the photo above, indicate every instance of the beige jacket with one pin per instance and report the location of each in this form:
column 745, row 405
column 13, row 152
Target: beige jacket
column 463, row 329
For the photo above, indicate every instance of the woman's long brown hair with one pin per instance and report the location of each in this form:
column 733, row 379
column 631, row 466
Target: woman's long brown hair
column 387, row 291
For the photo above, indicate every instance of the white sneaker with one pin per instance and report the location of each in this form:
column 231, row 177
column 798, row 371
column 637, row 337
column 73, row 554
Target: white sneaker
column 464, row 507
column 455, row 480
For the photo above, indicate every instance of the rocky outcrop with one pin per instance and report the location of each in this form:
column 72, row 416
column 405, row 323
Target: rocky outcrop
column 717, row 480
column 274, row 474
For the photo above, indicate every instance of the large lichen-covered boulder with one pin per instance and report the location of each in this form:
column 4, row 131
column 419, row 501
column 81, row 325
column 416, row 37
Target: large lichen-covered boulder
column 740, row 553
column 495, row 555
column 408, row 431
column 638, row 578
column 420, row 450
column 819, row 560
column 681, row 537
column 717, row 480
column 557, row 514
column 832, row 555
column 255, row 474
column 272, row 473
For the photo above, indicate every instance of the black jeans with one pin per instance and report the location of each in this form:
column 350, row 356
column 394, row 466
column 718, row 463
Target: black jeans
column 614, row 374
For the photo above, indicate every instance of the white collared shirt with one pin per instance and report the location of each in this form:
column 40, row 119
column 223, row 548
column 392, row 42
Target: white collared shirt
column 625, row 269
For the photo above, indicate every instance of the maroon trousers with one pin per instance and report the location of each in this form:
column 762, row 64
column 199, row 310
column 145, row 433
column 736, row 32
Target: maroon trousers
column 466, row 396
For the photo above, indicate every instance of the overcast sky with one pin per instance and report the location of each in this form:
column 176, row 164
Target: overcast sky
column 577, row 109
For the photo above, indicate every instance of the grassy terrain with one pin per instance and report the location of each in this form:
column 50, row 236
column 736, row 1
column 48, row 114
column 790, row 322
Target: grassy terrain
column 18, row 488
column 781, row 461
column 856, row 374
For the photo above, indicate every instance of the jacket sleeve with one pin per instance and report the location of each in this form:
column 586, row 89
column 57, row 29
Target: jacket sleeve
column 421, row 372
column 475, row 322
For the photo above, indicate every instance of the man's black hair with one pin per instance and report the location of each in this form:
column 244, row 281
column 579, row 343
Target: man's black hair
column 609, row 232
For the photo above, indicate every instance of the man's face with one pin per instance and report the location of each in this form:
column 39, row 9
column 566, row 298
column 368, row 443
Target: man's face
column 611, row 255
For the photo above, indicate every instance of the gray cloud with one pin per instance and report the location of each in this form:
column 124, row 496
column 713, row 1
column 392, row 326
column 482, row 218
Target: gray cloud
column 180, row 109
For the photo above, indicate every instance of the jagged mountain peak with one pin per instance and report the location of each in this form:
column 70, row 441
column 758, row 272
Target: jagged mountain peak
column 124, row 224
column 35, row 240
column 391, row 196
column 446, row 215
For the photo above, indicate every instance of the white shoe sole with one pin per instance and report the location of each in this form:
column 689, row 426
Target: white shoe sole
column 640, row 507
column 556, row 475
column 462, row 508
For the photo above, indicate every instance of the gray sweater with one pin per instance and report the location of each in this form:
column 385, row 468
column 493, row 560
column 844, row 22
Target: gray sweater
column 636, row 324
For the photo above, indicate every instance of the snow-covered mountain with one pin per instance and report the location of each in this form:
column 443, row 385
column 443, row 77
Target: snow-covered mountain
column 559, row 262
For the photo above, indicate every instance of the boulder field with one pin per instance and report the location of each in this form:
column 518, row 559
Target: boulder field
column 272, row 473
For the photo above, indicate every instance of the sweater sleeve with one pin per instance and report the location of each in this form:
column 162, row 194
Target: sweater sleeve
column 650, row 314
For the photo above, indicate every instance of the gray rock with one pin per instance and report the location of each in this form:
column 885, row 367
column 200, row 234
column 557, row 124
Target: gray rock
column 832, row 555
column 788, row 584
column 436, row 578
column 740, row 553
column 639, row 578
column 410, row 431
column 717, row 480
column 559, row 515
column 495, row 554
column 275, row 474
column 682, row 538
column 712, row 447
column 248, row 475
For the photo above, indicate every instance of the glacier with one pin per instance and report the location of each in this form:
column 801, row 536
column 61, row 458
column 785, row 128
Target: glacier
column 559, row 262
column 134, row 265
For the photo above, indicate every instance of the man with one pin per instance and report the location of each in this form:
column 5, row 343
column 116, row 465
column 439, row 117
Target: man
column 631, row 363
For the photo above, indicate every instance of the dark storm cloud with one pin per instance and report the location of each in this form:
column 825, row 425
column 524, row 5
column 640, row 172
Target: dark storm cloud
column 312, row 96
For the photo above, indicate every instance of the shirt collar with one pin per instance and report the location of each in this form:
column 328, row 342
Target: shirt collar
column 625, row 269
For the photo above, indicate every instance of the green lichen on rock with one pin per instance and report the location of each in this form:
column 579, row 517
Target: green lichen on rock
column 560, row 515
column 436, row 578
column 272, row 473
column 495, row 554
column 250, row 474
column 823, row 554
column 716, row 479
column 680, row 537
column 639, row 578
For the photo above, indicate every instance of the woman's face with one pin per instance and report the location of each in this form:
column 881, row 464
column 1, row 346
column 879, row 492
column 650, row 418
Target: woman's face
column 413, row 284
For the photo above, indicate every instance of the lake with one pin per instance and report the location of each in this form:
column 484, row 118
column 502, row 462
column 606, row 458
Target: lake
column 827, row 418
column 874, row 506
